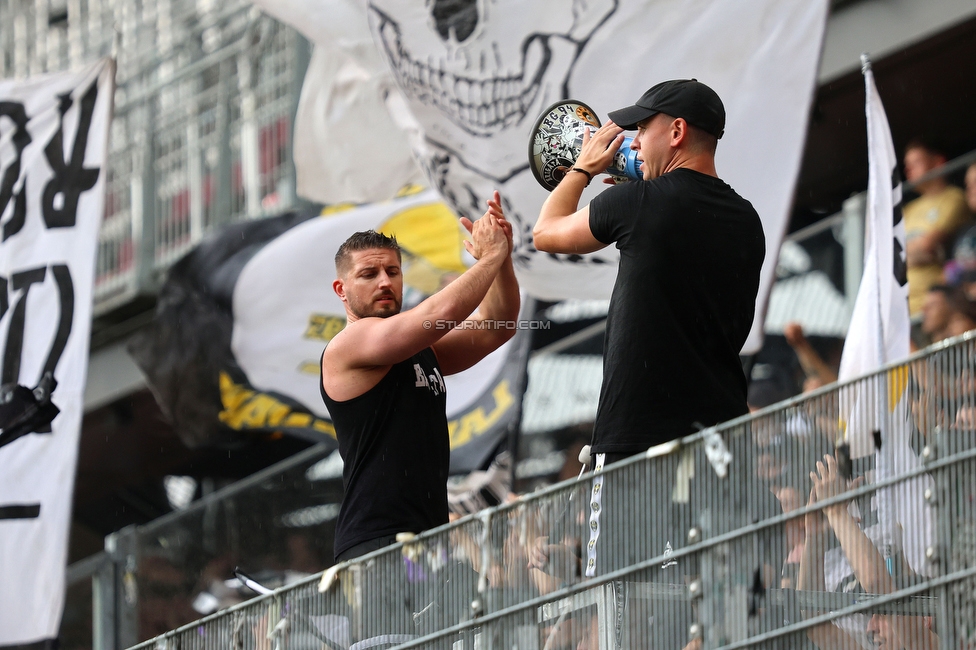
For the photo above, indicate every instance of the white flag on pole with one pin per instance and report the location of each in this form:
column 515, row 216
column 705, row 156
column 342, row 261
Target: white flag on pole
column 877, row 412
column 880, row 327
column 53, row 140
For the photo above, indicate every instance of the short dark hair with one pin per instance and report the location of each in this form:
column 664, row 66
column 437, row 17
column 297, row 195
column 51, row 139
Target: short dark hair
column 927, row 143
column 362, row 241
column 702, row 140
column 699, row 140
column 956, row 298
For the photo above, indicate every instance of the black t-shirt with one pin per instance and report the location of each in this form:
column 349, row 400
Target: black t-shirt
column 396, row 452
column 691, row 250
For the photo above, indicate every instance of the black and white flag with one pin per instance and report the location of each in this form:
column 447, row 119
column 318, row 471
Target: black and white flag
column 876, row 415
column 464, row 82
column 242, row 320
column 53, row 141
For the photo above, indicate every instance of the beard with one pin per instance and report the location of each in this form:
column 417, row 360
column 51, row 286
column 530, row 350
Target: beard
column 374, row 309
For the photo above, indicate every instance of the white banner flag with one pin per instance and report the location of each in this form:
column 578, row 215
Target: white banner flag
column 475, row 76
column 877, row 415
column 880, row 328
column 53, row 141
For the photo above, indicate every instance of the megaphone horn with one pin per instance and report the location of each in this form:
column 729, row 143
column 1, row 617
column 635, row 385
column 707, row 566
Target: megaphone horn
column 557, row 138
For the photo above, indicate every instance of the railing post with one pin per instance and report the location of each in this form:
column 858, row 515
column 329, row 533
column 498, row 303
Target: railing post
column 708, row 625
column 104, row 597
column 194, row 155
column 143, row 198
column 941, row 503
column 300, row 59
column 39, row 58
column 853, row 235
column 250, row 154
column 223, row 183
column 122, row 548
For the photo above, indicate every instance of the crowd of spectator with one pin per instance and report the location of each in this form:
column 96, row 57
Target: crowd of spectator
column 940, row 246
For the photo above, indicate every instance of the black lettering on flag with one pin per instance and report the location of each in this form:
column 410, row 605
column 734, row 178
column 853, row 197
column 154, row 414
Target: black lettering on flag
column 900, row 266
column 13, row 348
column 20, row 511
column 71, row 178
column 21, row 138
column 15, row 333
column 66, row 294
column 4, row 304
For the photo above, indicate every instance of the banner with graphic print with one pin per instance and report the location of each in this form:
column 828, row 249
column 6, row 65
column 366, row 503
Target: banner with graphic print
column 243, row 319
column 474, row 76
column 53, row 141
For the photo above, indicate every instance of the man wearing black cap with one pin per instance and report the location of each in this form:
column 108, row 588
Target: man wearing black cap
column 691, row 250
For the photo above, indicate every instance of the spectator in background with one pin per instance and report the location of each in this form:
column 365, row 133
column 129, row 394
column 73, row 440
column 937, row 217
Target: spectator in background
column 818, row 372
column 961, row 270
column 971, row 188
column 946, row 313
column 869, row 567
column 932, row 221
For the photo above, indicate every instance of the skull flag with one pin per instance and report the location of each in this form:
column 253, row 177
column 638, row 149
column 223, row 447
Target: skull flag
column 474, row 75
column 235, row 346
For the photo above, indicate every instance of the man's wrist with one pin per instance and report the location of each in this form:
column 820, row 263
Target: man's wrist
column 582, row 172
column 493, row 258
column 834, row 511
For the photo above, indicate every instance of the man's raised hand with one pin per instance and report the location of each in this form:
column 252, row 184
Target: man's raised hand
column 484, row 231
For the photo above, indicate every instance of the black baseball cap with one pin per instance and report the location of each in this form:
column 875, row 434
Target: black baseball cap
column 690, row 99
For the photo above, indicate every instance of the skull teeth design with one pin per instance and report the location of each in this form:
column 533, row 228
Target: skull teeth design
column 481, row 107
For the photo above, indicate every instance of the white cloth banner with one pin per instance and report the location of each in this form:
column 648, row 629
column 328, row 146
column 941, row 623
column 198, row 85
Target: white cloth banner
column 53, row 140
column 878, row 335
column 474, row 77
column 880, row 327
column 347, row 147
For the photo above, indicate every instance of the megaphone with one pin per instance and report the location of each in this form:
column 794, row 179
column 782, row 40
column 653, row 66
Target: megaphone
column 557, row 138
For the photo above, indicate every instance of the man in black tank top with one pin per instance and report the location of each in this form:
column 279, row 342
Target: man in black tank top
column 383, row 378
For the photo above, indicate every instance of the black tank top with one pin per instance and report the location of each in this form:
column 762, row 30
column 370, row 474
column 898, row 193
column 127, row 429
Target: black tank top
column 395, row 448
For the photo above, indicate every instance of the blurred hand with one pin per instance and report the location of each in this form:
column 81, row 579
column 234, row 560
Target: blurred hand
column 814, row 522
column 794, row 334
column 539, row 553
column 828, row 483
column 556, row 560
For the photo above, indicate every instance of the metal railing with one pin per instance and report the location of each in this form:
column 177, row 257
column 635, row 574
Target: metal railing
column 713, row 541
column 201, row 134
column 276, row 525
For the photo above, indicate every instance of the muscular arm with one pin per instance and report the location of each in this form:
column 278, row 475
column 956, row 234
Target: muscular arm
column 563, row 227
column 468, row 344
column 374, row 344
